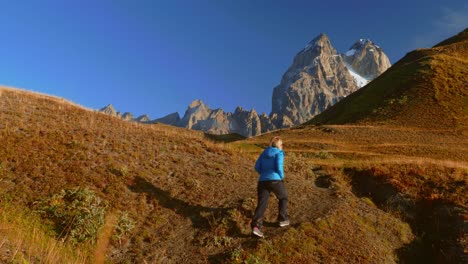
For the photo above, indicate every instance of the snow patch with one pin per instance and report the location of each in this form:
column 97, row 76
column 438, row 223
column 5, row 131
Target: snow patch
column 360, row 81
column 350, row 52
column 364, row 41
column 315, row 62
column 371, row 50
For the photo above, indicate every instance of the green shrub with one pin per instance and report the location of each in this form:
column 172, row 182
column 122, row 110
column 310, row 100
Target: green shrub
column 124, row 225
column 77, row 214
column 323, row 155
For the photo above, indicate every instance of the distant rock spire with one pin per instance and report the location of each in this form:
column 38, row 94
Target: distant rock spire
column 143, row 119
column 109, row 109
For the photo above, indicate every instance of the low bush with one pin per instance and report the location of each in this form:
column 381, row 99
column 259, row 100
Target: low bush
column 77, row 214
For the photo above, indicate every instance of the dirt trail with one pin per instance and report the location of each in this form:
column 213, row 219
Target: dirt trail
column 309, row 198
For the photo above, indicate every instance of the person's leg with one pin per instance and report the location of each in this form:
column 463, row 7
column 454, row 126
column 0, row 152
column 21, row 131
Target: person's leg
column 262, row 197
column 279, row 190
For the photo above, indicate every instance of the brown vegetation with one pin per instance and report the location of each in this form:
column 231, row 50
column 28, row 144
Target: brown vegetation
column 190, row 199
column 391, row 188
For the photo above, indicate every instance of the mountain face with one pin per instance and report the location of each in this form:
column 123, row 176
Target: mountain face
column 319, row 77
column 171, row 119
column 426, row 88
column 365, row 61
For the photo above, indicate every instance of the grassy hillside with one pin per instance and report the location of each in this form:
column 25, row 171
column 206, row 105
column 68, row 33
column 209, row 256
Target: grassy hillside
column 155, row 193
column 427, row 88
column 418, row 175
column 170, row 182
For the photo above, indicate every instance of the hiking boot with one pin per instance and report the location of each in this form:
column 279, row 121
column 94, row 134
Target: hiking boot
column 256, row 231
column 283, row 223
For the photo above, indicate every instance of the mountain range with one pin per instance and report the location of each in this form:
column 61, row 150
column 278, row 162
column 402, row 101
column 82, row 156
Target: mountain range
column 318, row 78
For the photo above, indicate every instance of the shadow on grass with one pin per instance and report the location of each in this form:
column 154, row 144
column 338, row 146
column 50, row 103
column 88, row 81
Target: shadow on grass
column 202, row 217
column 226, row 138
column 438, row 224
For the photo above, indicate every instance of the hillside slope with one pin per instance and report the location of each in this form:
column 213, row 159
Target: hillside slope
column 418, row 175
column 427, row 88
column 170, row 181
column 190, row 200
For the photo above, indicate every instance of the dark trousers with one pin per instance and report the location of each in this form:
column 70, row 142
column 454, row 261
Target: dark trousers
column 263, row 192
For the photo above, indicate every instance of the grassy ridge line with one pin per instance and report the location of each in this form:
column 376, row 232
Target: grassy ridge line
column 57, row 99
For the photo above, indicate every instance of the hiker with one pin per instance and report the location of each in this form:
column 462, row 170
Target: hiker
column 270, row 167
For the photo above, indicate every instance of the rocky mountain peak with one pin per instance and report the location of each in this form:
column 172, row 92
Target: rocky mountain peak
column 127, row 116
column 316, row 79
column 171, row 119
column 238, row 110
column 317, row 49
column 318, row 43
column 196, row 103
column 109, row 109
column 143, row 119
column 366, row 60
column 321, row 40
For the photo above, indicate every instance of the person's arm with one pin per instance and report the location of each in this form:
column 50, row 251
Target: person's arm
column 279, row 161
column 258, row 164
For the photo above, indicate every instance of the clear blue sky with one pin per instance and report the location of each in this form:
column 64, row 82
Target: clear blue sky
column 155, row 57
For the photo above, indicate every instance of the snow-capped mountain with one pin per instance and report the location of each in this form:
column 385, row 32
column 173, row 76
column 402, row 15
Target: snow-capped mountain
column 318, row 78
column 365, row 61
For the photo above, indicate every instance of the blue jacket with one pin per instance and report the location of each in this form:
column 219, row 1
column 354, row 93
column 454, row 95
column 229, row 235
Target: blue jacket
column 270, row 164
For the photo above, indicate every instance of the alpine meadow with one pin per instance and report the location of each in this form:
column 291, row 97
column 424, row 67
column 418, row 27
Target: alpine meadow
column 381, row 176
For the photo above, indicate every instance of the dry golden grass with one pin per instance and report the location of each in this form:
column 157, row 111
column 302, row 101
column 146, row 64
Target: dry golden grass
column 377, row 146
column 26, row 93
column 27, row 241
column 192, row 198
column 425, row 166
column 152, row 172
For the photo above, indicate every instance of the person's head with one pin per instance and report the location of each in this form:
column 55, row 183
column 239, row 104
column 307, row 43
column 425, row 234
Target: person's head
column 276, row 142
